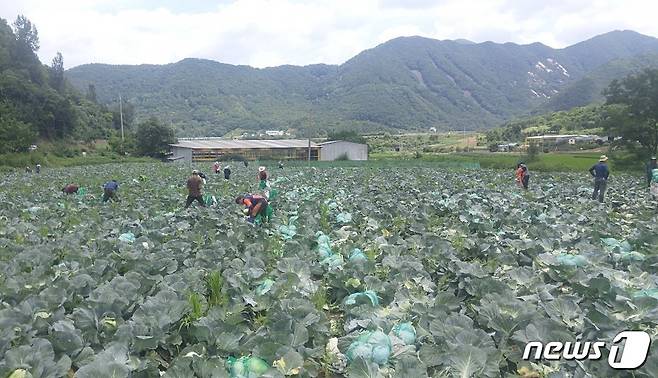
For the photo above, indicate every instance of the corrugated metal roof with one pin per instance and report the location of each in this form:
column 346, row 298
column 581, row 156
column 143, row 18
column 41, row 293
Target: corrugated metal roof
column 551, row 136
column 240, row 144
column 339, row 141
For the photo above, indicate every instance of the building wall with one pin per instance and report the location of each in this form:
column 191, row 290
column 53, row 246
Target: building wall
column 186, row 153
column 294, row 153
column 354, row 151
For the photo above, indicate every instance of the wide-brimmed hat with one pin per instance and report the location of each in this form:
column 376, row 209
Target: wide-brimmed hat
column 603, row 158
column 195, row 172
column 261, row 169
column 653, row 158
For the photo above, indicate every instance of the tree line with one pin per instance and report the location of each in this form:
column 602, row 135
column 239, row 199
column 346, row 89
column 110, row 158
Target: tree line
column 37, row 103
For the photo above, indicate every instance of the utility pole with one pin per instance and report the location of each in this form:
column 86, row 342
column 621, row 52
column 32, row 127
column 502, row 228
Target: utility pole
column 308, row 134
column 121, row 116
column 312, row 119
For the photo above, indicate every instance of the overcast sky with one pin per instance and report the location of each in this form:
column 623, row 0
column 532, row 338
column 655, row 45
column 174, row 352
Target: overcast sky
column 268, row 33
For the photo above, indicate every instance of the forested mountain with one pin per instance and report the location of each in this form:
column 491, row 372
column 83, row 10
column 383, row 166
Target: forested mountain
column 408, row 83
column 589, row 89
column 35, row 100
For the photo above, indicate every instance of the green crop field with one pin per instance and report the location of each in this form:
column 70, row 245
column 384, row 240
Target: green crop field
column 364, row 271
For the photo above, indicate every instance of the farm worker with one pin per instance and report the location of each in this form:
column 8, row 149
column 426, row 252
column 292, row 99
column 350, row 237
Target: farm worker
column 518, row 175
column 522, row 176
column 526, row 176
column 38, row 168
column 246, row 163
column 654, row 183
column 110, row 190
column 280, row 164
column 254, row 204
column 216, row 167
column 262, row 177
column 600, row 172
column 28, row 170
column 70, row 189
column 651, row 165
column 194, row 184
column 227, row 172
column 203, row 177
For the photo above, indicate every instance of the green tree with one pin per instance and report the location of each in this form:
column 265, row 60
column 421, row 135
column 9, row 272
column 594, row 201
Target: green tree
column 15, row 136
column 93, row 122
column 39, row 97
column 91, row 94
column 57, row 73
column 26, row 33
column 128, row 115
column 533, row 152
column 346, row 135
column 153, row 138
column 23, row 52
column 127, row 145
column 637, row 121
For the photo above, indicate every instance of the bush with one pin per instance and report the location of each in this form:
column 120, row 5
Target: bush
column 349, row 136
column 153, row 138
column 533, row 152
column 122, row 147
column 15, row 136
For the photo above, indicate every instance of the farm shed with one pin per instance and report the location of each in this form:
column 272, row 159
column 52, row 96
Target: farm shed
column 560, row 139
column 338, row 149
column 210, row 149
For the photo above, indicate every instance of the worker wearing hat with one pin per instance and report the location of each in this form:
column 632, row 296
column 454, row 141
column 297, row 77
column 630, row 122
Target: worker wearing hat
column 600, row 172
column 262, row 177
column 194, row 184
column 651, row 165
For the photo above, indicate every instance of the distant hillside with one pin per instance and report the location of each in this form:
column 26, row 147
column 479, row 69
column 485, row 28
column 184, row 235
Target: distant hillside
column 589, row 89
column 581, row 120
column 409, row 83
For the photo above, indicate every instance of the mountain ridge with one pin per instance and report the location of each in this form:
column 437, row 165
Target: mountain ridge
column 407, row 83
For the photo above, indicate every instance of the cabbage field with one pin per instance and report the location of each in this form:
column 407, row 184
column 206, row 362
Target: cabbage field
column 362, row 272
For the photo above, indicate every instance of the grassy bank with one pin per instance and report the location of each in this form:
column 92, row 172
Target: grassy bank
column 49, row 159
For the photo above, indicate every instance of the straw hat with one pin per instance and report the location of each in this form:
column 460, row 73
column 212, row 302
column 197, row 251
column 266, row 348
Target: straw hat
column 603, row 158
column 195, row 172
column 261, row 169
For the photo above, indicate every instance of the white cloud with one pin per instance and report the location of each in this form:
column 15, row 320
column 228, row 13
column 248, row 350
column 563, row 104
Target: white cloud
column 267, row 32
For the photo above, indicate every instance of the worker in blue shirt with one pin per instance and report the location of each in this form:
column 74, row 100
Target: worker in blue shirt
column 651, row 165
column 600, row 172
column 110, row 191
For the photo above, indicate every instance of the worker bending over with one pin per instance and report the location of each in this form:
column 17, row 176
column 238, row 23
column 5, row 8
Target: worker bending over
column 254, row 205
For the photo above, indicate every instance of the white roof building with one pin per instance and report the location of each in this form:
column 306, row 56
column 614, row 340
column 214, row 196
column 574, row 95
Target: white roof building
column 212, row 149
